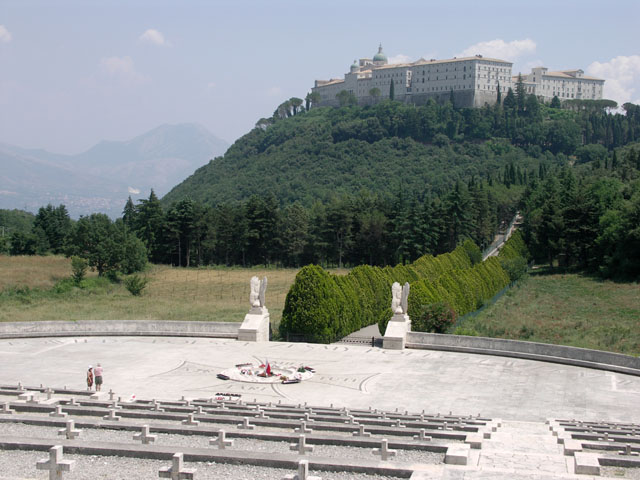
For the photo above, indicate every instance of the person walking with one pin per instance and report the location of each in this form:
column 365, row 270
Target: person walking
column 98, row 373
column 90, row 378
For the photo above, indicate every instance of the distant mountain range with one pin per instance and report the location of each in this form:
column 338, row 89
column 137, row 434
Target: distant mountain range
column 101, row 179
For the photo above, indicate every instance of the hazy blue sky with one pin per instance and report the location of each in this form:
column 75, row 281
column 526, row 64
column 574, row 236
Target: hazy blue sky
column 76, row 72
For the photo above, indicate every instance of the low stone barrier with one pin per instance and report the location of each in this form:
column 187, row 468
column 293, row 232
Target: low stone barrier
column 545, row 352
column 154, row 328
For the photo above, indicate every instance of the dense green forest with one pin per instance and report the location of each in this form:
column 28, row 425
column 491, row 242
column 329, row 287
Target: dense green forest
column 311, row 155
column 587, row 217
column 384, row 185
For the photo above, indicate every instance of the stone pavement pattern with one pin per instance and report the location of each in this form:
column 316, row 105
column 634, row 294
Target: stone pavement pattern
column 521, row 392
column 355, row 376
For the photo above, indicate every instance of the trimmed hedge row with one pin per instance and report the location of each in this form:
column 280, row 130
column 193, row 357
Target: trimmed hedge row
column 324, row 307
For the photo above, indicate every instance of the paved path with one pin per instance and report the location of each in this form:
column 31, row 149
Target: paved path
column 529, row 445
column 346, row 375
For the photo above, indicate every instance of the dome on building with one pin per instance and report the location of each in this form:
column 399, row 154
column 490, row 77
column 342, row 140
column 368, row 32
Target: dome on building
column 355, row 67
column 380, row 57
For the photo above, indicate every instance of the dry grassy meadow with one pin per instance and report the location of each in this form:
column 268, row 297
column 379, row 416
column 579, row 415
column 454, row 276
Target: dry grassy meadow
column 566, row 309
column 208, row 294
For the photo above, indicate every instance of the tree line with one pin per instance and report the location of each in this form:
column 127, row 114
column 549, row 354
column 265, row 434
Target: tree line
column 347, row 230
column 588, row 217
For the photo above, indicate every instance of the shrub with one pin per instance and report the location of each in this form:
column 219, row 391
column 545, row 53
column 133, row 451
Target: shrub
column 135, row 284
column 436, row 317
column 79, row 267
column 515, row 267
column 474, row 253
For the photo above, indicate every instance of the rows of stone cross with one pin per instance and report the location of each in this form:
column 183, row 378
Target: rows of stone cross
column 56, row 466
column 618, row 438
column 306, row 415
column 355, row 420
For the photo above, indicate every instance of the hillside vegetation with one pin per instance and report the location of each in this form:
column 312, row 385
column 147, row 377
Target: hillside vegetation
column 393, row 146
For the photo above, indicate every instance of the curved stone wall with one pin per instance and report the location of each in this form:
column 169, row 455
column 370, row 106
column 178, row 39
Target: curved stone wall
column 119, row 327
column 545, row 352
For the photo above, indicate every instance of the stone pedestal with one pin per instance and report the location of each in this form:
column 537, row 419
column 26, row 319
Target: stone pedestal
column 255, row 327
column 395, row 336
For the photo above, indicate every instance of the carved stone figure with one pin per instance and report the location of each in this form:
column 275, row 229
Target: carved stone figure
column 404, row 302
column 263, row 290
column 396, row 298
column 258, row 290
column 254, row 296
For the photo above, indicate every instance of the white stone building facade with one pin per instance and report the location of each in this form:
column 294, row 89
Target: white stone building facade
column 474, row 81
column 565, row 84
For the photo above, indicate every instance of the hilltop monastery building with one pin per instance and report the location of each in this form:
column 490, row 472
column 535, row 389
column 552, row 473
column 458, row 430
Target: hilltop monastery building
column 474, row 81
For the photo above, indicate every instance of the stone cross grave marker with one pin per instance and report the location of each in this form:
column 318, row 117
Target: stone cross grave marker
column 360, row 432
column 383, row 451
column 190, row 420
column 422, row 436
column 55, row 464
column 58, row 412
column 177, row 471
column 351, row 420
column 301, row 447
column 303, row 472
column 49, row 392
column 69, row 431
column 220, row 441
column 73, row 402
column 627, row 451
column 144, row 436
column 6, row 409
column 111, row 394
column 303, row 428
column 261, row 414
column 307, row 418
column 112, row 415
column 245, row 425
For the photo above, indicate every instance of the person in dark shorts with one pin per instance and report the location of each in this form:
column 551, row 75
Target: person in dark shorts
column 98, row 374
column 90, row 378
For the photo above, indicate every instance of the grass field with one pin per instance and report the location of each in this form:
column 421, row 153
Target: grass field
column 209, row 294
column 567, row 309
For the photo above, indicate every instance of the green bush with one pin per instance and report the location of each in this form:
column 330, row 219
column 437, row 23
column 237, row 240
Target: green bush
column 436, row 318
column 515, row 267
column 79, row 267
column 135, row 284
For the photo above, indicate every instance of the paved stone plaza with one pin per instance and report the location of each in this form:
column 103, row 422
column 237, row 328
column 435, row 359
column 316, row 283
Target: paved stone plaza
column 515, row 395
column 352, row 376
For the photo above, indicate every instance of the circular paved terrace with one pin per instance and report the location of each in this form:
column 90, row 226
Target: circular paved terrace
column 353, row 376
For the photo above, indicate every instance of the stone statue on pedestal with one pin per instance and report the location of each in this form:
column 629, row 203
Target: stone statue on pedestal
column 255, row 327
column 400, row 298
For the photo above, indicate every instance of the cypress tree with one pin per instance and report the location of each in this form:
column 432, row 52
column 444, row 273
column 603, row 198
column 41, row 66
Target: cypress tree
column 392, row 91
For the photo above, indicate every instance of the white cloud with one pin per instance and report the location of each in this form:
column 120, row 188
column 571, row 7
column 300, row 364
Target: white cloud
column 622, row 75
column 400, row 58
column 500, row 49
column 5, row 35
column 274, row 92
column 133, row 191
column 154, row 37
column 121, row 68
